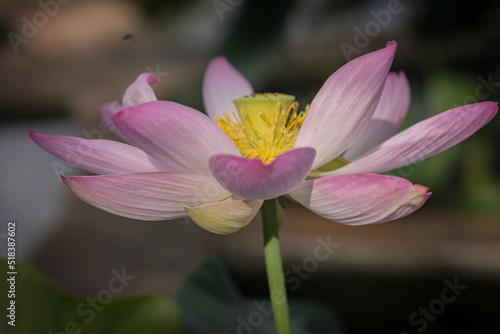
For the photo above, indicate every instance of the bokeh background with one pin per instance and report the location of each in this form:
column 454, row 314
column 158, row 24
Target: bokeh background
column 56, row 72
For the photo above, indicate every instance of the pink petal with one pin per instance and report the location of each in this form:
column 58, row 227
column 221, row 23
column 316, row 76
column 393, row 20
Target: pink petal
column 221, row 85
column 358, row 199
column 249, row 178
column 345, row 104
column 140, row 91
column 224, row 217
column 388, row 117
column 96, row 156
column 106, row 111
column 146, row 196
column 178, row 137
column 424, row 139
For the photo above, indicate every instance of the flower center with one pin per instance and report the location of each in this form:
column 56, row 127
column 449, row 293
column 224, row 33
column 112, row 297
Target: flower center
column 267, row 125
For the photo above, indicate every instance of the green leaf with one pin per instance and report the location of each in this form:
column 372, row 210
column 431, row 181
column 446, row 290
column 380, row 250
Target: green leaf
column 211, row 303
column 43, row 307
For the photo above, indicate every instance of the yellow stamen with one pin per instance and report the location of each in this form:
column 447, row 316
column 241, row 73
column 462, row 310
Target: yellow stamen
column 267, row 126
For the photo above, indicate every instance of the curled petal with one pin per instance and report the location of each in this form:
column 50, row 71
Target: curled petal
column 358, row 199
column 250, row 178
column 140, row 91
column 345, row 104
column 224, row 217
column 96, row 156
column 177, row 137
column 222, row 84
column 146, row 196
column 424, row 139
column 388, row 117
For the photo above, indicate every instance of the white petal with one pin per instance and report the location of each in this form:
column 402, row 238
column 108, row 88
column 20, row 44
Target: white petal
column 221, row 85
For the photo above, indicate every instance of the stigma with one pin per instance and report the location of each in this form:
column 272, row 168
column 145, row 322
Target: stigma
column 265, row 126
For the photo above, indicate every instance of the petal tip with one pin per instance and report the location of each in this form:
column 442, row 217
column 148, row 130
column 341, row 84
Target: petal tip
column 391, row 48
column 34, row 135
column 421, row 195
column 220, row 60
column 150, row 78
column 421, row 188
column 391, row 44
column 493, row 104
column 489, row 108
column 41, row 139
column 222, row 83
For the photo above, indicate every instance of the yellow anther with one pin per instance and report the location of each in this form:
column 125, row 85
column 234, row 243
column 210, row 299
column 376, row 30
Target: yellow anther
column 267, row 126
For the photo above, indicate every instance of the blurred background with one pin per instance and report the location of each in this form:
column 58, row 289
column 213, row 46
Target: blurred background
column 61, row 60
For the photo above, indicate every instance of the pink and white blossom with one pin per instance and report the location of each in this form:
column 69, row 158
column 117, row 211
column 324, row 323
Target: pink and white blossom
column 177, row 161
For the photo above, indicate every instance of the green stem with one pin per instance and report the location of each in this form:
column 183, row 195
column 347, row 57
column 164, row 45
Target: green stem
column 274, row 267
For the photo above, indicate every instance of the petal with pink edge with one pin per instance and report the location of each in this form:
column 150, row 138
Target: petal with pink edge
column 342, row 108
column 358, row 199
column 146, row 196
column 222, row 84
column 224, row 217
column 250, row 178
column 140, row 91
column 388, row 117
column 96, row 156
column 177, row 137
column 424, row 139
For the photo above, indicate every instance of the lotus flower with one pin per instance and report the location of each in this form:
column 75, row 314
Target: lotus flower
column 218, row 169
